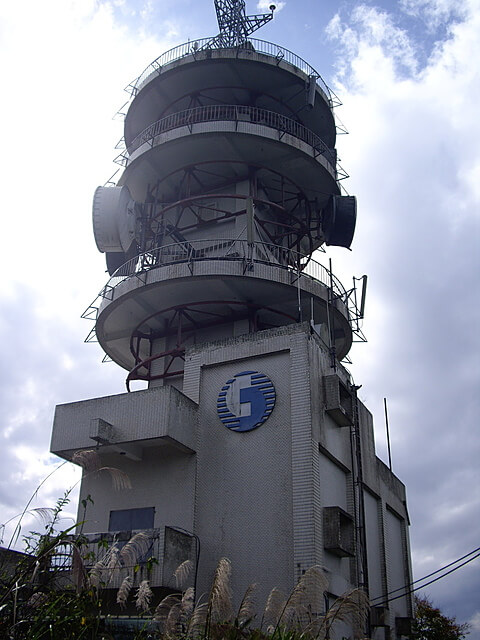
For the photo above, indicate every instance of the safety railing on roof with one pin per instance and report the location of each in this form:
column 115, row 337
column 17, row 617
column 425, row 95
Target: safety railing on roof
column 194, row 47
column 232, row 113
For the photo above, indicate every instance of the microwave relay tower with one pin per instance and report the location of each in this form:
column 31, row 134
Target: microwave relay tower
column 249, row 441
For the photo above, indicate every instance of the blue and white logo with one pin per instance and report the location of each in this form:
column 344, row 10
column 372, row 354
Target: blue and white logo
column 246, row 401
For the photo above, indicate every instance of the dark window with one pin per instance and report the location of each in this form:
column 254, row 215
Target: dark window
column 131, row 519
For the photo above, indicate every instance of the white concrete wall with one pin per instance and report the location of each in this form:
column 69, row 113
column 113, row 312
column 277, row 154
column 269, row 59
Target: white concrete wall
column 258, row 497
column 243, row 506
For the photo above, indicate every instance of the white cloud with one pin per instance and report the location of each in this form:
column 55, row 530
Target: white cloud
column 372, row 38
column 435, row 12
column 413, row 153
column 475, row 621
column 68, row 59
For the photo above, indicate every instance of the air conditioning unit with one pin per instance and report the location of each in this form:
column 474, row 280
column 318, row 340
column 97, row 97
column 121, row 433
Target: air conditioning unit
column 338, row 400
column 338, row 532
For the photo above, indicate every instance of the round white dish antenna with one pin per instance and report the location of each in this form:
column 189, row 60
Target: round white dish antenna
column 113, row 219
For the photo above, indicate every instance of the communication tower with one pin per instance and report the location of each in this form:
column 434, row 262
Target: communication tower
column 250, row 441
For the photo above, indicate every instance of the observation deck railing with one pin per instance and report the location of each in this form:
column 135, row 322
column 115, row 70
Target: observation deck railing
column 195, row 47
column 226, row 250
column 248, row 253
column 231, row 113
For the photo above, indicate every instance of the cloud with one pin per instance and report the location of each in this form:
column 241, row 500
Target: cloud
column 67, row 60
column 435, row 13
column 414, row 158
column 372, row 33
column 475, row 622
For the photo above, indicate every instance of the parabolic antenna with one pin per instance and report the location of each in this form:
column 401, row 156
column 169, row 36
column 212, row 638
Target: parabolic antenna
column 113, row 219
column 339, row 218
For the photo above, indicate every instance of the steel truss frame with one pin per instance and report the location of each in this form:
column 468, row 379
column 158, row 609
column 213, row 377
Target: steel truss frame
column 233, row 23
column 298, row 218
column 183, row 321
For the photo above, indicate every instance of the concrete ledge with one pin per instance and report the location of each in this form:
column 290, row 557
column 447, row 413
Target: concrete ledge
column 126, row 423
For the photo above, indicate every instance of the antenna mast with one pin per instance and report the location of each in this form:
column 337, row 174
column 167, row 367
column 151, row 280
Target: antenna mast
column 233, row 23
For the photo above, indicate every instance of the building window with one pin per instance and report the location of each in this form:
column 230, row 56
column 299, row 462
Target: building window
column 131, row 519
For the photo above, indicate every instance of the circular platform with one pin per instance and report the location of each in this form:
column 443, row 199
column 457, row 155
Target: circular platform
column 281, row 294
column 230, row 76
column 226, row 142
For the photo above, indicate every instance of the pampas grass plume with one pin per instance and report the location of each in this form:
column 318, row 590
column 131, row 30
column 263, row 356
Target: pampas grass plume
column 144, row 595
column 124, row 591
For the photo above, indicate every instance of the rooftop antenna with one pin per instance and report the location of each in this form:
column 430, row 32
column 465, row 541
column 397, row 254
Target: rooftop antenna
column 388, row 434
column 233, row 23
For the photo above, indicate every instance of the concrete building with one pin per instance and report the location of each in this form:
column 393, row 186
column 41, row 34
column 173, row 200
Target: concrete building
column 250, row 441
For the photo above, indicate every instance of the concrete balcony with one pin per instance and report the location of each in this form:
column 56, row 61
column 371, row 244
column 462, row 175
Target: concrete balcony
column 149, row 554
column 126, row 423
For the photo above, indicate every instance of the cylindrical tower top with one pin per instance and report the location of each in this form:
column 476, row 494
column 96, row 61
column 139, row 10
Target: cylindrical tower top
column 230, row 183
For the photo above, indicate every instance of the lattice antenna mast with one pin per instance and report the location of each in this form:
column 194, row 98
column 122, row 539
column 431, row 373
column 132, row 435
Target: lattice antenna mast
column 234, row 25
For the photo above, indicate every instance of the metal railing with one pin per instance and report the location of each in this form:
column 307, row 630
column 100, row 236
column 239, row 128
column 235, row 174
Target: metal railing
column 233, row 113
column 193, row 48
column 249, row 254
column 226, row 250
column 105, row 561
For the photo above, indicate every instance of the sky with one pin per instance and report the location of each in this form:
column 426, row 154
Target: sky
column 408, row 76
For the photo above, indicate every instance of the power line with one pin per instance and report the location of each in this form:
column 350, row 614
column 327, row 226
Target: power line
column 408, row 591
column 429, row 574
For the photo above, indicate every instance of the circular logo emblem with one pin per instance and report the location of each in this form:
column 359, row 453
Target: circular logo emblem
column 246, row 401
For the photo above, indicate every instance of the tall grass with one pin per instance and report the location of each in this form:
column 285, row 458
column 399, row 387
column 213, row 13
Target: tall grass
column 38, row 603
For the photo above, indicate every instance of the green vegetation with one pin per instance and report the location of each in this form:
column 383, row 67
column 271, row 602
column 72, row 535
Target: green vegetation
column 54, row 591
column 431, row 624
